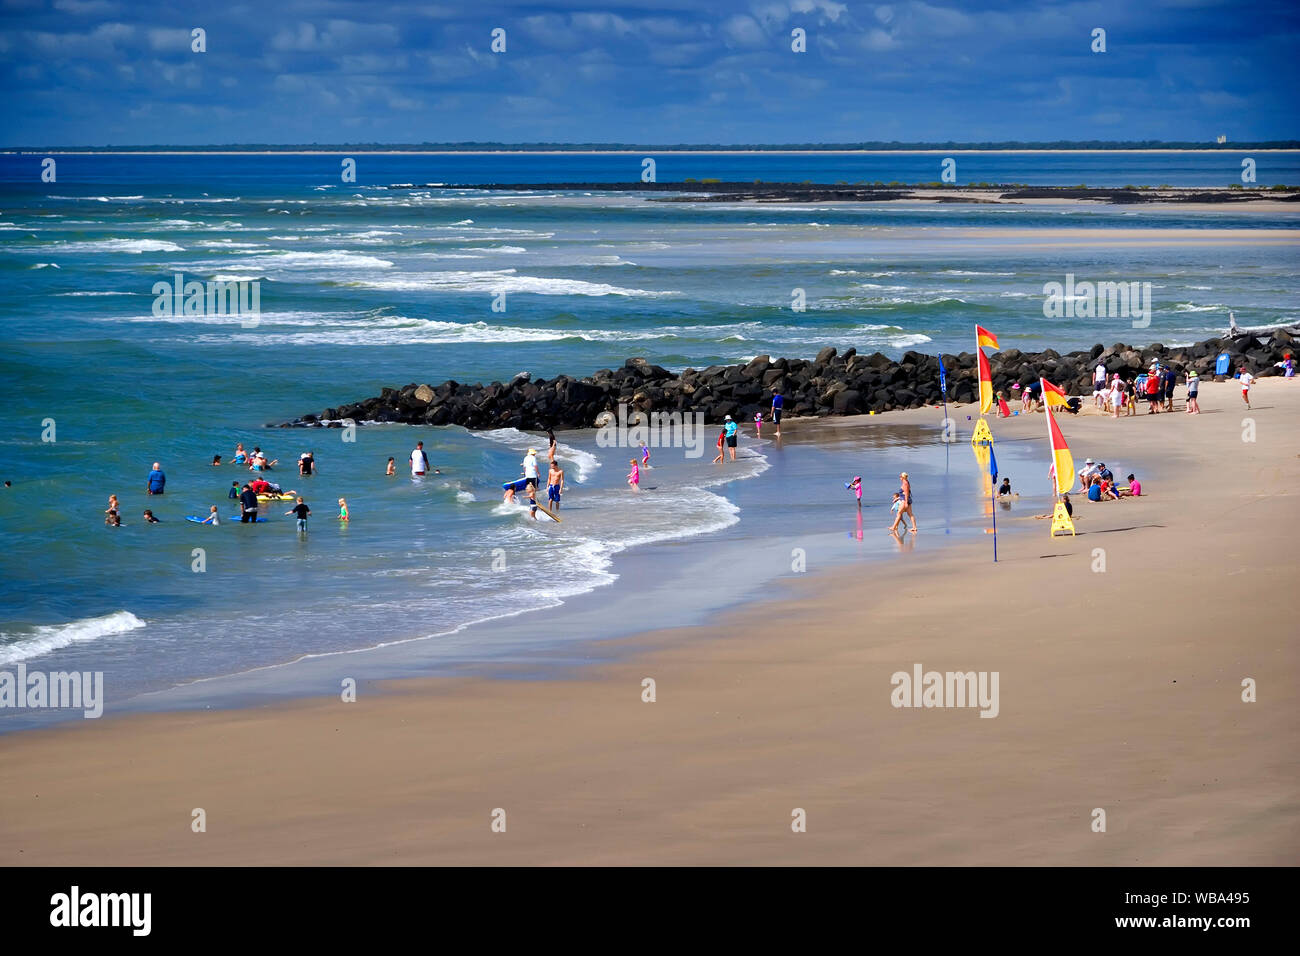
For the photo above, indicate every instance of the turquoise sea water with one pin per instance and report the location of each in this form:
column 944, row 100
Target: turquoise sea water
column 363, row 287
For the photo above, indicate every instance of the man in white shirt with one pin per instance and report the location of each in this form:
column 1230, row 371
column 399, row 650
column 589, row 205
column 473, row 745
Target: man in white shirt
column 530, row 468
column 419, row 460
column 1099, row 385
column 1089, row 470
column 1246, row 379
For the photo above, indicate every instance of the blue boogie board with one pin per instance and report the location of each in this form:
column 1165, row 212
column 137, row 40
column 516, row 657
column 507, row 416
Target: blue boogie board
column 518, row 485
column 239, row 519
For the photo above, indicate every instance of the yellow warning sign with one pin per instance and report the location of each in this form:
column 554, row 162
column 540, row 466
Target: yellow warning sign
column 1061, row 519
column 982, row 435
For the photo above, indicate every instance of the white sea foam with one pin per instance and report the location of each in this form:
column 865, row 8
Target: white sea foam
column 1192, row 307
column 133, row 246
column 45, row 265
column 584, row 462
column 40, row 640
column 99, row 293
column 500, row 280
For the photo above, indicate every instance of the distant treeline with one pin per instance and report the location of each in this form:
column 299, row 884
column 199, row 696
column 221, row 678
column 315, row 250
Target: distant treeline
column 638, row 147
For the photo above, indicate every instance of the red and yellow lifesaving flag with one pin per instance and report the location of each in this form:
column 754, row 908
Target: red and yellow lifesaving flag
column 1062, row 460
column 1053, row 397
column 983, row 337
column 986, row 382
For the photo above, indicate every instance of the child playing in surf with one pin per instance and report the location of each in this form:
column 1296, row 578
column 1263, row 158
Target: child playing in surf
column 855, row 486
column 758, row 424
column 645, row 454
column 112, row 505
column 213, row 518
column 343, row 509
column 634, row 476
column 392, row 467
column 722, row 438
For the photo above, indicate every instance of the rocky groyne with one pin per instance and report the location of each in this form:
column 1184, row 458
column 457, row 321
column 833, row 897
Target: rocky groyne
column 831, row 383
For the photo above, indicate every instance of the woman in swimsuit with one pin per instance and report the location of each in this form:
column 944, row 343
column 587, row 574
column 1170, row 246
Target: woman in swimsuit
column 905, row 491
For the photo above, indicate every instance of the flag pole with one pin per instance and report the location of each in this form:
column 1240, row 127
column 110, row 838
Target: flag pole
column 1051, row 450
column 943, row 395
column 993, row 503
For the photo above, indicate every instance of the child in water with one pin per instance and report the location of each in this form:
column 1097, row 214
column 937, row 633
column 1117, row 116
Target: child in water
column 634, row 476
column 856, row 487
column 213, row 518
column 722, row 437
column 392, row 467
column 149, row 518
column 112, row 505
column 343, row 509
column 645, row 454
column 758, row 424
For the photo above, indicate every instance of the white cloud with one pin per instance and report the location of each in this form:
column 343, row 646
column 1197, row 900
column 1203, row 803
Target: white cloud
column 743, row 30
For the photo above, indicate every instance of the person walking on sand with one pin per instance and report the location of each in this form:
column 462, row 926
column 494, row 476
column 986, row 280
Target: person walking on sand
column 1245, row 378
column 300, row 511
column 729, row 428
column 157, row 481
column 419, row 461
column 905, row 495
column 1193, row 389
column 778, row 405
column 634, row 476
column 555, row 485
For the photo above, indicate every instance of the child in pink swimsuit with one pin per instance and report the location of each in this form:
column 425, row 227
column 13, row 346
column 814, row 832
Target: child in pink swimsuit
column 634, row 476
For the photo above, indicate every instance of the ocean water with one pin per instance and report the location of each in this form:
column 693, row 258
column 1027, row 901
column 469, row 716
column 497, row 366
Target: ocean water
column 362, row 287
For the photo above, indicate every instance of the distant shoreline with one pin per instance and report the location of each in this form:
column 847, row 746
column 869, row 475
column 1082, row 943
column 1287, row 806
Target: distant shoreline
column 625, row 151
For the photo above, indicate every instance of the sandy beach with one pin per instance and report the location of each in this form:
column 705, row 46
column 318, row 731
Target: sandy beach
column 1119, row 689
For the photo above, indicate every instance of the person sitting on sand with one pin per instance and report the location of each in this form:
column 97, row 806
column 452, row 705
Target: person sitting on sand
column 1134, row 487
column 1004, row 489
column 1087, row 473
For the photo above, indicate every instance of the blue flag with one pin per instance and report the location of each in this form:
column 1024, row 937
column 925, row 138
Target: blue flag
column 993, row 463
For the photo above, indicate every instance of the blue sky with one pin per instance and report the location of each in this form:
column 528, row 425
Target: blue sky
column 120, row 72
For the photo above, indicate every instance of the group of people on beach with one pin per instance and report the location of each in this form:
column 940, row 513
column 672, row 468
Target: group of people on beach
column 900, row 505
column 554, row 479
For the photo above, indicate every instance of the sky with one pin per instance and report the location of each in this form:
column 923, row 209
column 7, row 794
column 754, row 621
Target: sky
column 124, row 72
